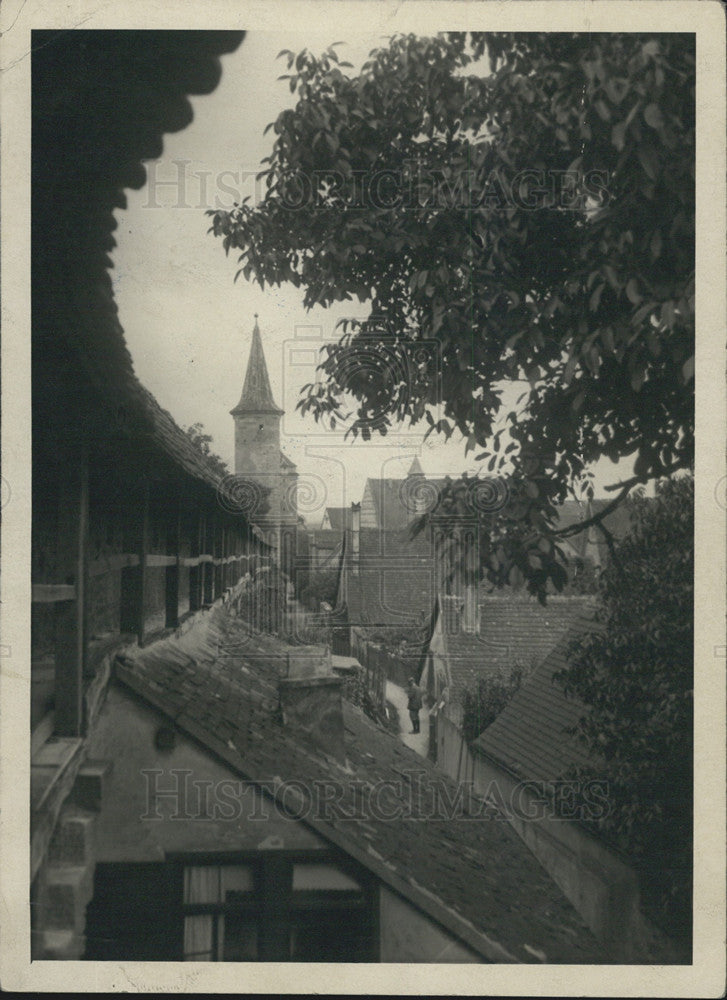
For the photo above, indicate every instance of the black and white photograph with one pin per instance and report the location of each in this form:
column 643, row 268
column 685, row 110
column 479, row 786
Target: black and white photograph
column 363, row 481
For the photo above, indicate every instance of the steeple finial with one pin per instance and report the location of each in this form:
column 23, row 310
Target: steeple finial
column 257, row 396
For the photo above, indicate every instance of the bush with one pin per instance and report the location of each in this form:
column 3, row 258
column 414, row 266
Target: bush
column 484, row 704
column 635, row 674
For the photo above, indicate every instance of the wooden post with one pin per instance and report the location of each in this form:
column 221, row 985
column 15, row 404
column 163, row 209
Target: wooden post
column 143, row 553
column 195, row 572
column 217, row 552
column 274, row 917
column 174, row 530
column 208, row 567
column 70, row 625
column 223, row 554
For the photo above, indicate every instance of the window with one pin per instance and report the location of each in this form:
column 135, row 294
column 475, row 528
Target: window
column 277, row 906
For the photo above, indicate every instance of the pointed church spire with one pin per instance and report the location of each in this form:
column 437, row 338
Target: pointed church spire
column 416, row 468
column 257, row 396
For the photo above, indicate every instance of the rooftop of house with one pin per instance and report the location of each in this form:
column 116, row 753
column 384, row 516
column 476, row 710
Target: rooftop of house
column 397, row 502
column 395, row 582
column 532, row 738
column 514, row 630
column 325, row 538
column 339, row 518
column 218, row 683
column 168, row 436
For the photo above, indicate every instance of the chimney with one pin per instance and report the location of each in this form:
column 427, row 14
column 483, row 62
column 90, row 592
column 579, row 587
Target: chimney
column 310, row 700
column 355, row 536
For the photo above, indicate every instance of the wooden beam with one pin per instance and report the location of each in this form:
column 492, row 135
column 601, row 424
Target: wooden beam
column 113, row 563
column 52, row 593
column 70, row 615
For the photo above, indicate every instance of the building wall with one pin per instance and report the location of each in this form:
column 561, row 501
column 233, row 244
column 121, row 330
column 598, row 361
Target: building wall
column 257, row 443
column 408, row 935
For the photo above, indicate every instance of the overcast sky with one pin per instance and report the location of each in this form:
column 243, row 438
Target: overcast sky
column 188, row 326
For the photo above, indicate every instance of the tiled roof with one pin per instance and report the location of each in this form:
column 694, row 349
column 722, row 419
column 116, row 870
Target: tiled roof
column 515, row 630
column 325, row 538
column 395, row 584
column 530, row 737
column 169, row 437
column 472, row 875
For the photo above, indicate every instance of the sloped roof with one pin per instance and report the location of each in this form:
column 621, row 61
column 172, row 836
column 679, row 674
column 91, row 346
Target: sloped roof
column 102, row 101
column 257, row 396
column 169, row 437
column 340, row 519
column 325, row 538
column 515, row 630
column 474, row 876
column 395, row 583
column 530, row 738
column 399, row 501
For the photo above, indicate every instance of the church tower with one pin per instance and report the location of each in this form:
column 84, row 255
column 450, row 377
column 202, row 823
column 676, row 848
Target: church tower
column 257, row 418
column 258, row 457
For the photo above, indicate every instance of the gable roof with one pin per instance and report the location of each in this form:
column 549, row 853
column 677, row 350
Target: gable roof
column 530, row 737
column 257, row 396
column 474, row 876
column 397, row 502
column 339, row 519
column 515, row 630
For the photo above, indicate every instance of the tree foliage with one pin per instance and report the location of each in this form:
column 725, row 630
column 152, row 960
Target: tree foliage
column 203, row 443
column 482, row 705
column 524, row 203
column 322, row 586
column 635, row 674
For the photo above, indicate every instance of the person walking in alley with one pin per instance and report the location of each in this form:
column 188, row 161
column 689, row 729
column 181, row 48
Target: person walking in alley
column 414, row 704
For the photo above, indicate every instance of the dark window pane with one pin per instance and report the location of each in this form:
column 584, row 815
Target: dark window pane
column 340, row 936
column 240, row 939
